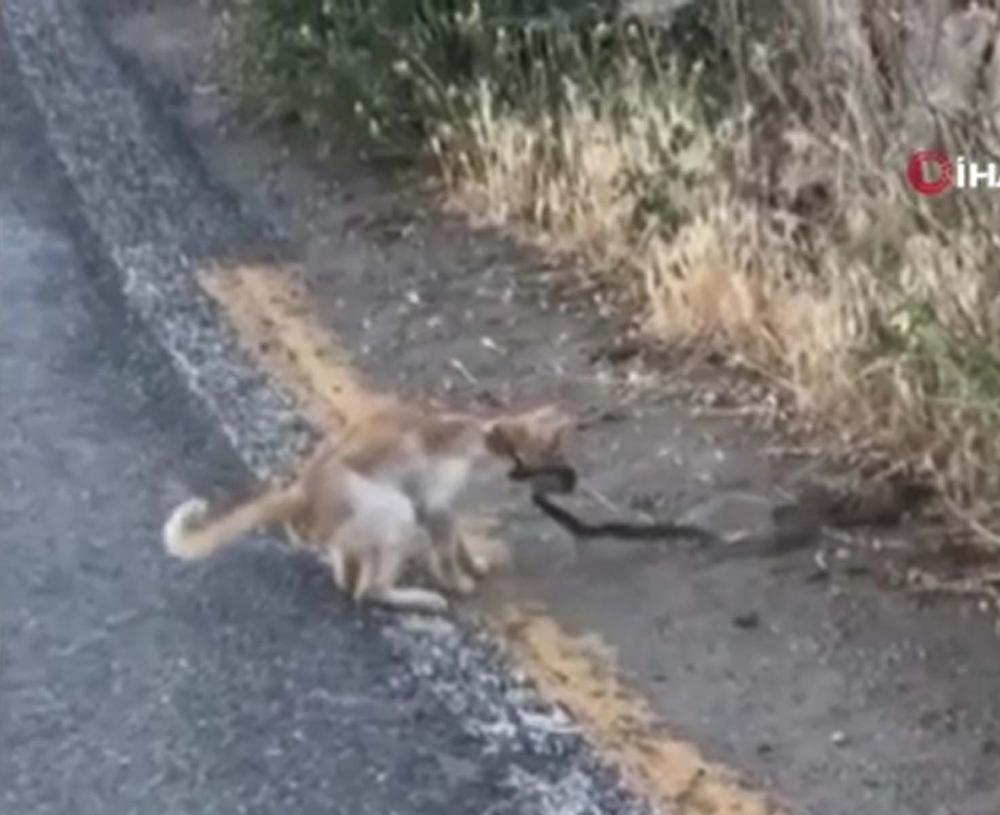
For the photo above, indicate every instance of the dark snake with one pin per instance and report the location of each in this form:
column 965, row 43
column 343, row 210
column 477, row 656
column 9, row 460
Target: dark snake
column 566, row 479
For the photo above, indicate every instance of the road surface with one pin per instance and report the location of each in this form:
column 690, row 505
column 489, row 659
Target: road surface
column 130, row 683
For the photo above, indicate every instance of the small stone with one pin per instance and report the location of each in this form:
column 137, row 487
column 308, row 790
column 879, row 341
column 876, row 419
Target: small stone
column 747, row 621
column 839, row 738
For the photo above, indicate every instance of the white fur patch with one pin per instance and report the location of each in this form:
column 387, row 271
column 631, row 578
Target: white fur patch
column 175, row 530
column 442, row 481
column 382, row 509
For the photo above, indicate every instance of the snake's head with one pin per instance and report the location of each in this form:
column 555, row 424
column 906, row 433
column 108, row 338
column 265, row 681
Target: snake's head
column 545, row 479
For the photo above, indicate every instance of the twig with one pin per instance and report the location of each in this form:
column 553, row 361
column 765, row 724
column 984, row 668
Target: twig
column 459, row 366
column 731, row 412
column 972, row 522
column 607, row 503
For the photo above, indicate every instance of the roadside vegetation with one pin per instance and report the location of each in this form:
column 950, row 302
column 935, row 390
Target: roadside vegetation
column 732, row 177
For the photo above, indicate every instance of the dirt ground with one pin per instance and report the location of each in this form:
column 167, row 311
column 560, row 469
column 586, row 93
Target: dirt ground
column 813, row 671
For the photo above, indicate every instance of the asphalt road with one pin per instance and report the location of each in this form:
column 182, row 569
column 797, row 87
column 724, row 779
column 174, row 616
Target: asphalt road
column 130, row 683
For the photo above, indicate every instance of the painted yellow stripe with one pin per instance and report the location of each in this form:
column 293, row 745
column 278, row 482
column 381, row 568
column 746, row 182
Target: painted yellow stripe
column 669, row 771
column 270, row 314
column 274, row 322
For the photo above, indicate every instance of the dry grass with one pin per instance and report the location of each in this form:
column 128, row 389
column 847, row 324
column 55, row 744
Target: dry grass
column 874, row 312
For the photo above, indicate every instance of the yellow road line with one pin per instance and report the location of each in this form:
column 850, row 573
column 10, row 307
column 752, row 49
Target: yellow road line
column 669, row 771
column 270, row 314
column 274, row 322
